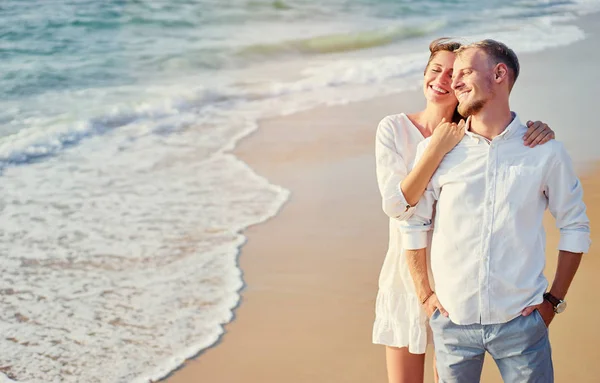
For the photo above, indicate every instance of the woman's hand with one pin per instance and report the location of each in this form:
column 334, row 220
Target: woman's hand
column 446, row 135
column 537, row 133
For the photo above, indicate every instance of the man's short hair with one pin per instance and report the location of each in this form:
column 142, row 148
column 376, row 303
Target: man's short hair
column 497, row 53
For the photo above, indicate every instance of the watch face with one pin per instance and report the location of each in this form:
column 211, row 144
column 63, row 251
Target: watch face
column 562, row 306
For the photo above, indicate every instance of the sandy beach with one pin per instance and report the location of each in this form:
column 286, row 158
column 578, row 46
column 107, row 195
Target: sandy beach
column 311, row 272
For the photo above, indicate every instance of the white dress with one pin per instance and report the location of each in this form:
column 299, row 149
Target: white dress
column 400, row 320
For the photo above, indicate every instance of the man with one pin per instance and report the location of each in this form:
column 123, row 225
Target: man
column 488, row 246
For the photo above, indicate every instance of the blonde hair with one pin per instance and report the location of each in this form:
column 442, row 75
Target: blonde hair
column 497, row 52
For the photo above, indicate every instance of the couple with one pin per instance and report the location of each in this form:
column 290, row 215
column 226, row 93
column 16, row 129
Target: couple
column 486, row 184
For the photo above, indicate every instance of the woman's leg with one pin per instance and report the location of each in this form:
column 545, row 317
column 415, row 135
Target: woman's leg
column 404, row 367
column 436, row 377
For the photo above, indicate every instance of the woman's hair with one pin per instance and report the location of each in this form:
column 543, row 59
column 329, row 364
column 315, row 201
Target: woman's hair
column 441, row 44
column 444, row 44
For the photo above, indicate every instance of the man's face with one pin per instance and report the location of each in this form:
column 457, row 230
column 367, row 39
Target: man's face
column 472, row 81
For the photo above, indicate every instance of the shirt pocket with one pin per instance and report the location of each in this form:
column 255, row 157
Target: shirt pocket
column 522, row 185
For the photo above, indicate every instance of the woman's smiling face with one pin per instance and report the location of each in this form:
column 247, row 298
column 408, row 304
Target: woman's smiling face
column 437, row 83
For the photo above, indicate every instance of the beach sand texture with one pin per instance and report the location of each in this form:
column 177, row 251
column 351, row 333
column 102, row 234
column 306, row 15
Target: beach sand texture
column 311, row 272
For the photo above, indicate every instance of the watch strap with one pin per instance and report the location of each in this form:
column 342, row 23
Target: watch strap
column 552, row 299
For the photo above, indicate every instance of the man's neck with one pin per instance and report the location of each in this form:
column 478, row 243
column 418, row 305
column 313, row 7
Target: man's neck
column 491, row 121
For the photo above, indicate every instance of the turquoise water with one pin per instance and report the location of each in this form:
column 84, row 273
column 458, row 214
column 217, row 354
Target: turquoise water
column 69, row 62
column 58, row 46
column 121, row 208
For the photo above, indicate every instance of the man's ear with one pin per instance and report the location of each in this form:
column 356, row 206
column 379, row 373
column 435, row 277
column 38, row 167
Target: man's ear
column 500, row 72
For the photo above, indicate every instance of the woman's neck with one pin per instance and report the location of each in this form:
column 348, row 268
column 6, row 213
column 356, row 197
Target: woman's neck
column 429, row 118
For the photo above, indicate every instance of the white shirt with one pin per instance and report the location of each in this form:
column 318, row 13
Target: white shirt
column 488, row 247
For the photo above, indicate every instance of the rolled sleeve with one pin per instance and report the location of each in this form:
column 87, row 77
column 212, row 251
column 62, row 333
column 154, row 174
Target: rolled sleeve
column 565, row 201
column 396, row 206
column 574, row 241
column 414, row 237
column 414, row 231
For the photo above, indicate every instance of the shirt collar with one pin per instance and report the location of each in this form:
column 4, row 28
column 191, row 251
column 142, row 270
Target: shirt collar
column 513, row 128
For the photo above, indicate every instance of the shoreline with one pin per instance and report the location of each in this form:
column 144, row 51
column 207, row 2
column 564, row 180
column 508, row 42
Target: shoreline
column 279, row 265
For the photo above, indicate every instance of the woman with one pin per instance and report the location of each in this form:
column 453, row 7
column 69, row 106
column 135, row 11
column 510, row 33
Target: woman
column 401, row 323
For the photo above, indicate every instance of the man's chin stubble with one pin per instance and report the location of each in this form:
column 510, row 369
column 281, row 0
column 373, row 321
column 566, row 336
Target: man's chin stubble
column 470, row 109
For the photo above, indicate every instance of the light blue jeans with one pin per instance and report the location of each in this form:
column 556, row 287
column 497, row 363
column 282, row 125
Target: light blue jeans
column 520, row 348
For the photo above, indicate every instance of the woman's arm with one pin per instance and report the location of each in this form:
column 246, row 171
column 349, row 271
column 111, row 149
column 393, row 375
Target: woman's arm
column 391, row 168
column 445, row 137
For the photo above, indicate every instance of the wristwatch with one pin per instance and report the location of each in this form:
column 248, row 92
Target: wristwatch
column 559, row 304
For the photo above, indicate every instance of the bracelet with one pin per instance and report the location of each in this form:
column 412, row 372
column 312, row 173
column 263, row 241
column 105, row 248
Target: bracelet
column 428, row 296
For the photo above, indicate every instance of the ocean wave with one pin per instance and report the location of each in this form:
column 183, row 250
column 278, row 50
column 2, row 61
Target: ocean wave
column 183, row 107
column 270, row 4
column 336, row 43
column 42, row 137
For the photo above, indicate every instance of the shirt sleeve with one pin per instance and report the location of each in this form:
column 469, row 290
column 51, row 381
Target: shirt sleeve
column 414, row 230
column 565, row 201
column 392, row 169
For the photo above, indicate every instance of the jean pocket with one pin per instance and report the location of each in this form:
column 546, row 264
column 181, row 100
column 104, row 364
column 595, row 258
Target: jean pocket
column 539, row 317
